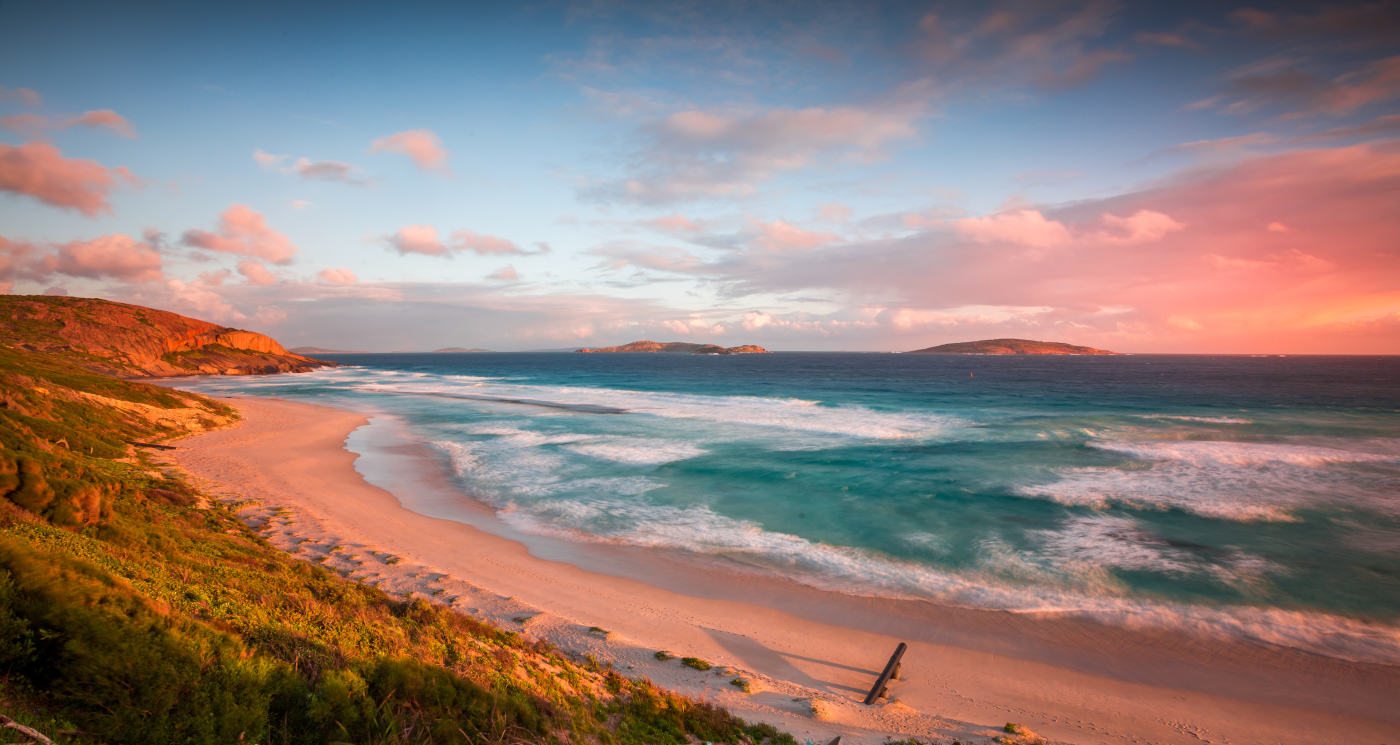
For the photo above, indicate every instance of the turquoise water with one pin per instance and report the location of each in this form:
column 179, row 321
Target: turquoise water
column 1254, row 498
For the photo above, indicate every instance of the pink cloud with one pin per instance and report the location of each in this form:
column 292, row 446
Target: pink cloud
column 26, row 125
column 1305, row 93
column 506, row 273
column 310, row 170
column 466, row 240
column 422, row 145
column 1023, row 227
column 834, row 212
column 16, row 261
column 1144, row 226
column 1045, row 44
column 102, row 119
column 244, row 232
column 215, row 279
column 256, row 273
column 1189, row 264
column 730, row 153
column 337, row 276
column 780, row 235
column 114, row 256
column 418, row 239
column 674, row 223
column 26, row 96
column 39, row 170
column 34, row 125
column 423, row 239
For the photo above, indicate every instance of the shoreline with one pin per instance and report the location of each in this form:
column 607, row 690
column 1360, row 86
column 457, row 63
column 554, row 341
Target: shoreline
column 966, row 673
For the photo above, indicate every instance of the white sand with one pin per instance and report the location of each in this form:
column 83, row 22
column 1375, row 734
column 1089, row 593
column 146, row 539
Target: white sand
column 966, row 672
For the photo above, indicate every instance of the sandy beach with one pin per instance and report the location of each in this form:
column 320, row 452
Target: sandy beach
column 809, row 656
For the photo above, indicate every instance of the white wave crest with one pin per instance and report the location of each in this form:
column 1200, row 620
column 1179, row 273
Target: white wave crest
column 1230, row 480
column 1079, row 592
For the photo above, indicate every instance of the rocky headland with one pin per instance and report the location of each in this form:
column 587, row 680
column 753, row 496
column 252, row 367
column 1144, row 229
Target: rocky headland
column 1010, row 346
column 676, row 347
column 129, row 340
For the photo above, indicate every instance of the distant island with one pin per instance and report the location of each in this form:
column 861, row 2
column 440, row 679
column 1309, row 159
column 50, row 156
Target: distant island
column 459, row 349
column 677, row 347
column 319, row 350
column 1010, row 346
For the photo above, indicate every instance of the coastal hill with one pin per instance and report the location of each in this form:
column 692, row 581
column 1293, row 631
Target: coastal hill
column 120, row 339
column 1010, row 346
column 137, row 609
column 676, row 347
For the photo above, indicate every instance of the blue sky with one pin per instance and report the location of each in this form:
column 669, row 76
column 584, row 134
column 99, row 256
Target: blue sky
column 800, row 175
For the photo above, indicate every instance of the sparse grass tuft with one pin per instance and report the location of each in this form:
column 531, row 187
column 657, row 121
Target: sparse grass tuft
column 696, row 663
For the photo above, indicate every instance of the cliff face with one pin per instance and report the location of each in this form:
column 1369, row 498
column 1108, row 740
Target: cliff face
column 677, row 347
column 1010, row 346
column 123, row 339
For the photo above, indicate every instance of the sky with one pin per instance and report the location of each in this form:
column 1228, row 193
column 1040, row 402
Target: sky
column 1209, row 177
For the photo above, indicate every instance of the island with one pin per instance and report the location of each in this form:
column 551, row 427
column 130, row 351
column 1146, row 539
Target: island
column 676, row 347
column 320, row 350
column 1010, row 346
column 459, row 349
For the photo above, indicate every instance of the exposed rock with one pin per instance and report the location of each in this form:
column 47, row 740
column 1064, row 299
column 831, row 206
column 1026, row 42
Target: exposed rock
column 1010, row 346
column 121, row 339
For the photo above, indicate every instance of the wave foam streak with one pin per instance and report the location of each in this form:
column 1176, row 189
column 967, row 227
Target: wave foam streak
column 1231, row 480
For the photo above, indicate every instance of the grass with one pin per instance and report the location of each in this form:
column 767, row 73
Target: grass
column 663, row 656
column 696, row 663
column 742, row 684
column 132, row 613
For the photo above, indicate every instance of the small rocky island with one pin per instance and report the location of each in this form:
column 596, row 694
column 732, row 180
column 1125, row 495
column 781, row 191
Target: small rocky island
column 1010, row 346
column 677, row 347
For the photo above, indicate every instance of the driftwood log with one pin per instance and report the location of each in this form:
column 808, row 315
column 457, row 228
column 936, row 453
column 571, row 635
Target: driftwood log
column 891, row 672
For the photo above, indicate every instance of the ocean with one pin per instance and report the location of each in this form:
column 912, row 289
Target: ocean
column 1243, row 498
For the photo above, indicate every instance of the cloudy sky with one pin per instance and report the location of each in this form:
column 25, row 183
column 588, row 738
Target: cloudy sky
column 1215, row 177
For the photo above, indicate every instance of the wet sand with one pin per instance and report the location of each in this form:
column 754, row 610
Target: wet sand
column 966, row 672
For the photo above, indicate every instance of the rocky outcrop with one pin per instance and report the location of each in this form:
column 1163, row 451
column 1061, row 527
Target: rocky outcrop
column 1010, row 346
column 676, row 347
column 117, row 338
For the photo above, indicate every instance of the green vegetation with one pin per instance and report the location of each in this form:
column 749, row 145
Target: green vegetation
column 137, row 610
column 742, row 684
column 663, row 656
column 696, row 663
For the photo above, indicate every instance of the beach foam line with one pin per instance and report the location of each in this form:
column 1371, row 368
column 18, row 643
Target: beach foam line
column 1079, row 589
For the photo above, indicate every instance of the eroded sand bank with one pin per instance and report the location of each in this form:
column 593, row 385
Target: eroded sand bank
column 965, row 674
